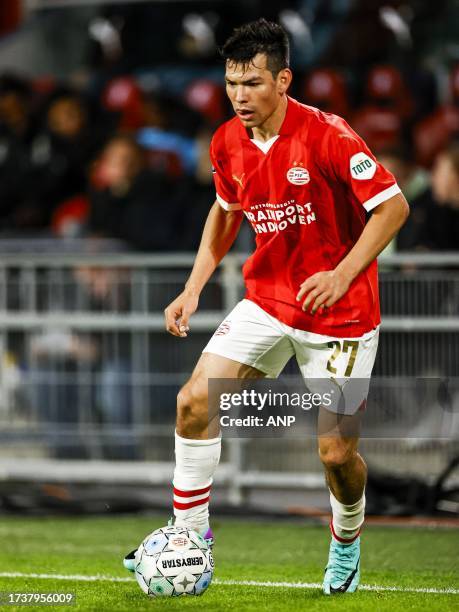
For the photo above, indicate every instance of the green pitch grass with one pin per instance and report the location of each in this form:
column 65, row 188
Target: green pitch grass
column 258, row 551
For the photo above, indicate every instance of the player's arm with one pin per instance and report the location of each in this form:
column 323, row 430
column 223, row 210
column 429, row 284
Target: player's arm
column 326, row 288
column 220, row 231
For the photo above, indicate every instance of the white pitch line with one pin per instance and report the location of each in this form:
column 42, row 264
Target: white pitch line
column 217, row 581
column 316, row 585
column 77, row 577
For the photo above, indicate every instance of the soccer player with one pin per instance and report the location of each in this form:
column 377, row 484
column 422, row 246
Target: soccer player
column 305, row 182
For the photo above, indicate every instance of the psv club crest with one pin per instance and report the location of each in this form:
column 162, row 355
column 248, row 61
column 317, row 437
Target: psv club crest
column 297, row 175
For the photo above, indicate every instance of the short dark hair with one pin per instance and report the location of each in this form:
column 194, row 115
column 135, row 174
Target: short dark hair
column 259, row 36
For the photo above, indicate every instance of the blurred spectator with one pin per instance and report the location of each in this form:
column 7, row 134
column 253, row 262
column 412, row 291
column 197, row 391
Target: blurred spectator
column 433, row 133
column 132, row 203
column 201, row 191
column 445, row 187
column 165, row 150
column 15, row 133
column 434, row 219
column 415, row 184
column 60, row 154
column 169, row 135
column 15, row 101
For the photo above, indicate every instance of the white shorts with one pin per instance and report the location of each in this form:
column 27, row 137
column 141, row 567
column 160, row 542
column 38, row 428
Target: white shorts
column 251, row 336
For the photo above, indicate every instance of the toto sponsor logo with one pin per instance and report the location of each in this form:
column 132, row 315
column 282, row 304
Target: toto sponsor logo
column 362, row 167
column 223, row 329
column 298, row 176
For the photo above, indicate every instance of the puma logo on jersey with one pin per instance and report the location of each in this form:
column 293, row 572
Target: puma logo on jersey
column 239, row 180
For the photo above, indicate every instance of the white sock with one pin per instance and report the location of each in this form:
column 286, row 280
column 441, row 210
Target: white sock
column 195, row 464
column 347, row 519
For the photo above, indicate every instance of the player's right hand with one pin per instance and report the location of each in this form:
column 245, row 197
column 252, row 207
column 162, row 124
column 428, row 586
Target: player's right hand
column 178, row 313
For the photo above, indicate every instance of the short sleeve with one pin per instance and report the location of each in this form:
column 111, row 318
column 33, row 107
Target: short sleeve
column 354, row 164
column 225, row 190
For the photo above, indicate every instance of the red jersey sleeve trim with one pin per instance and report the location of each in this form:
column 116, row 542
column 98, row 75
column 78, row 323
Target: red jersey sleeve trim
column 226, row 205
column 381, row 197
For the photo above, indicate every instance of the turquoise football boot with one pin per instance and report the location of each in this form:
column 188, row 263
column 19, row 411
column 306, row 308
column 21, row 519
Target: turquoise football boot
column 129, row 559
column 342, row 574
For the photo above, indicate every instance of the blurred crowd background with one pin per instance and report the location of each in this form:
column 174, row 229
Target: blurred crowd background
column 107, row 110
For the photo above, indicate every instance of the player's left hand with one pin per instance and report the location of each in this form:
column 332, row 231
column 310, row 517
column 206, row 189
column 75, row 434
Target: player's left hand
column 323, row 289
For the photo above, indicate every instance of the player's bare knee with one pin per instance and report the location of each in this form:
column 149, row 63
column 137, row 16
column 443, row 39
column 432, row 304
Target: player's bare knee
column 192, row 413
column 335, row 453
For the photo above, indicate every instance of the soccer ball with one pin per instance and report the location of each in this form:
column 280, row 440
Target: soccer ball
column 173, row 561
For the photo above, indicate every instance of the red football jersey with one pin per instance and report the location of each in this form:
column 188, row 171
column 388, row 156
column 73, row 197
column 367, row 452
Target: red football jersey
column 305, row 196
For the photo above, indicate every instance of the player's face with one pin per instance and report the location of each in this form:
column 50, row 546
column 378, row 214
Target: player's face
column 254, row 93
